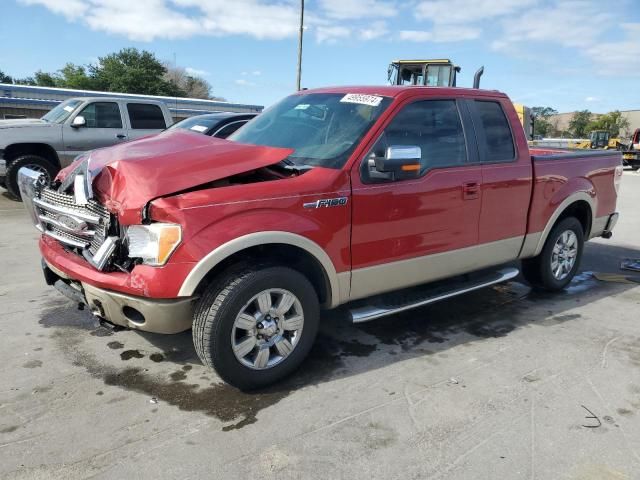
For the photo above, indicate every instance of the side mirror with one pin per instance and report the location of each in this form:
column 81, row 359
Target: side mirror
column 398, row 163
column 79, row 121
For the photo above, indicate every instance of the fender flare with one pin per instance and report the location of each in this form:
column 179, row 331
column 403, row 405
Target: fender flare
column 338, row 283
column 535, row 242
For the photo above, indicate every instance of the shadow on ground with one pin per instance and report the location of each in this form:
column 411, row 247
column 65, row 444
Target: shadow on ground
column 171, row 372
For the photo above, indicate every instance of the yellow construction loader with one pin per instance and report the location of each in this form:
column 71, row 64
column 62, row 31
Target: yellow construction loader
column 598, row 139
column 441, row 72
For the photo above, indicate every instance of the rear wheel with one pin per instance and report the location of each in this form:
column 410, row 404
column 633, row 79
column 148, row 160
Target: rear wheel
column 34, row 162
column 255, row 327
column 559, row 260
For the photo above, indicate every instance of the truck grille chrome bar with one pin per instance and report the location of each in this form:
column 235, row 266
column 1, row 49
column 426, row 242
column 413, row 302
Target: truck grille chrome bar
column 67, row 240
column 66, row 211
column 64, row 228
column 81, row 225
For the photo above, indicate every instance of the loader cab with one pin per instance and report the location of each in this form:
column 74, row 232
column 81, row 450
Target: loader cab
column 430, row 73
column 599, row 138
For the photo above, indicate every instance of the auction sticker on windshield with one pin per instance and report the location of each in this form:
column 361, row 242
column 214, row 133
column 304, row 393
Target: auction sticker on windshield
column 371, row 100
column 199, row 128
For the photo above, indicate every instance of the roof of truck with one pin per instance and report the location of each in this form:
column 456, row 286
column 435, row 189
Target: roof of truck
column 119, row 99
column 397, row 90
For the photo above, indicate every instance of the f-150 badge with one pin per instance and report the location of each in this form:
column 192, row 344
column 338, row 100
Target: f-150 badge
column 328, row 202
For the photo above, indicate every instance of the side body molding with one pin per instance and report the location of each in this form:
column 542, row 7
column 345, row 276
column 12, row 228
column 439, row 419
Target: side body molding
column 534, row 241
column 339, row 283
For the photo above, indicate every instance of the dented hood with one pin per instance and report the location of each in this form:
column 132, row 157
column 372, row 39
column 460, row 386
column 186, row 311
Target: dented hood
column 128, row 176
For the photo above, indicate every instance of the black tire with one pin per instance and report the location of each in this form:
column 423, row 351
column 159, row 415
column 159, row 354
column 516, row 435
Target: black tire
column 538, row 272
column 23, row 161
column 216, row 312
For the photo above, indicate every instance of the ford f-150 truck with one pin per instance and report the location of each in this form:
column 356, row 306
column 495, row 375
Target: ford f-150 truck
column 337, row 196
column 71, row 128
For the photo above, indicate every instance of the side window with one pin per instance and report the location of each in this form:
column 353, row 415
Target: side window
column 145, row 116
column 227, row 130
column 432, row 125
column 498, row 140
column 102, row 115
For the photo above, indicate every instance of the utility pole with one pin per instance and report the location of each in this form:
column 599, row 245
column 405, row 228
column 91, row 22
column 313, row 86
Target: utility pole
column 300, row 44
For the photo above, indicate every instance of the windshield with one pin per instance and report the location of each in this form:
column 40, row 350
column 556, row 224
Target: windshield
column 322, row 128
column 60, row 113
column 197, row 124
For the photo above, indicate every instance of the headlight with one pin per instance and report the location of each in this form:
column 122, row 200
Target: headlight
column 153, row 243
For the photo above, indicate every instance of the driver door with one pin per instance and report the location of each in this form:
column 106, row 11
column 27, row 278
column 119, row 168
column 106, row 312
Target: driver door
column 104, row 127
column 417, row 230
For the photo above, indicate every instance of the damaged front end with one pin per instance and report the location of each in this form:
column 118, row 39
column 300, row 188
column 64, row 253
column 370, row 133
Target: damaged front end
column 67, row 212
column 82, row 227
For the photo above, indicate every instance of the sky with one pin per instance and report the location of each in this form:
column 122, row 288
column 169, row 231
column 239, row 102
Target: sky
column 568, row 55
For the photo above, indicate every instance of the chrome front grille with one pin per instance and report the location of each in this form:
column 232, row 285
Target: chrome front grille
column 80, row 226
column 74, row 219
column 66, row 200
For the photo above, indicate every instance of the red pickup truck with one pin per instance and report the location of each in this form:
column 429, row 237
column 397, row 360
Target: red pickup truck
column 332, row 196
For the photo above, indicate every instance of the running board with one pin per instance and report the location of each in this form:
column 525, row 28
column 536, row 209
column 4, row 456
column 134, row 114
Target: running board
column 429, row 294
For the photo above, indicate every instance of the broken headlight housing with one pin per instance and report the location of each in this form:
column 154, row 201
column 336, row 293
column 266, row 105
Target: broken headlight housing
column 153, row 243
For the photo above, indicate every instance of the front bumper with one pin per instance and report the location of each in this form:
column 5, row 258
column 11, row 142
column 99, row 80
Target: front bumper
column 140, row 313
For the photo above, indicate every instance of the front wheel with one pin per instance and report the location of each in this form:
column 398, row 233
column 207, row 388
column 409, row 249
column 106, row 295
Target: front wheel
column 255, row 327
column 559, row 260
column 34, row 162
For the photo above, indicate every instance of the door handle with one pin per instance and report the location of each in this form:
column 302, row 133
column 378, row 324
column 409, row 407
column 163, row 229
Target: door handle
column 470, row 190
column 121, row 136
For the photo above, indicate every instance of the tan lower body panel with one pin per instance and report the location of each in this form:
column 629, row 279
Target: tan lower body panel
column 415, row 271
column 598, row 226
column 150, row 315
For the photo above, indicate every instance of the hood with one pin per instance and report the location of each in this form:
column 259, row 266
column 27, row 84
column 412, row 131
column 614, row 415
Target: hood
column 129, row 175
column 22, row 122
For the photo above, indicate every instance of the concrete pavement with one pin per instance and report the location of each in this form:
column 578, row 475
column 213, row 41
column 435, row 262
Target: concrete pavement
column 497, row 384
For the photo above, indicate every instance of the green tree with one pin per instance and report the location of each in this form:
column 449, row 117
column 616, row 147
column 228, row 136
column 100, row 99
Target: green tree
column 75, row 76
column 579, row 123
column 612, row 122
column 45, row 79
column 25, row 81
column 132, row 71
column 542, row 125
column 128, row 71
column 4, row 78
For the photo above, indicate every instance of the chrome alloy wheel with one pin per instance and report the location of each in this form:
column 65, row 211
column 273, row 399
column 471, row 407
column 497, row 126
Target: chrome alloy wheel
column 40, row 169
column 563, row 256
column 267, row 329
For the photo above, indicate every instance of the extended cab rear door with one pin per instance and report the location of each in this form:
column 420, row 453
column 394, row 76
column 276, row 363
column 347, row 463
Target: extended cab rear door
column 506, row 176
column 144, row 119
column 412, row 231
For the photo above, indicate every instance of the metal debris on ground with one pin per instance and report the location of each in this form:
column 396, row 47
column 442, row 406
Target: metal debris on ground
column 632, row 264
column 153, row 400
column 454, row 381
column 616, row 278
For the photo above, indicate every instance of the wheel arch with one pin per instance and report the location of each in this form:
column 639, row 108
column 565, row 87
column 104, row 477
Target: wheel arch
column 299, row 252
column 580, row 205
column 44, row 150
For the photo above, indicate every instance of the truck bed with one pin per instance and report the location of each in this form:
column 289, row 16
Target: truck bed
column 560, row 174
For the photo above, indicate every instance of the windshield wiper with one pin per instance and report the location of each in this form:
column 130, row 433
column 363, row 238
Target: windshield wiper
column 289, row 164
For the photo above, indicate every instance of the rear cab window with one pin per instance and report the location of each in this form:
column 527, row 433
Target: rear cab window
column 495, row 139
column 146, row 116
